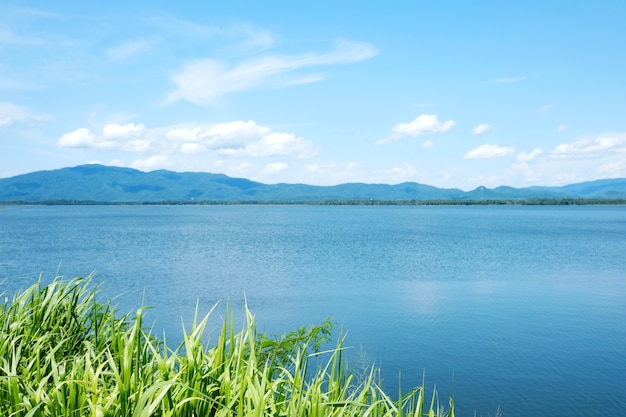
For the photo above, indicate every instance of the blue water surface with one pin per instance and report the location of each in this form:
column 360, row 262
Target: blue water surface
column 516, row 308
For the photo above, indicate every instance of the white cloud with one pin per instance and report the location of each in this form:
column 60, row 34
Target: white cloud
column 184, row 134
column 480, row 129
column 423, row 124
column 275, row 168
column 522, row 167
column 79, row 138
column 331, row 172
column 489, row 151
column 9, row 37
column 254, row 38
column 612, row 170
column 401, row 173
column 426, row 123
column 279, row 144
column 191, row 148
column 241, row 138
column 122, row 137
column 11, row 113
column 324, row 167
column 127, row 49
column 238, row 36
column 238, row 138
column 204, row 81
column 524, row 157
column 114, row 131
column 428, row 144
column 234, row 136
column 506, row 80
column 546, row 108
column 151, row 163
column 561, row 128
column 585, row 148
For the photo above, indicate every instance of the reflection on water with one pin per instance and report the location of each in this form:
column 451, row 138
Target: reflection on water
column 513, row 306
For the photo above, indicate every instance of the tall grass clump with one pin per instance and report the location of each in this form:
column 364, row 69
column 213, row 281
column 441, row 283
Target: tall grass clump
column 65, row 353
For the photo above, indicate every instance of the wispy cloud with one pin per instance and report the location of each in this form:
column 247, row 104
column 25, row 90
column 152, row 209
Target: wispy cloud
column 561, row 128
column 506, row 80
column 481, row 129
column 252, row 38
column 546, row 108
column 204, row 81
column 275, row 168
column 127, row 49
column 239, row 36
column 515, row 79
column 12, row 32
column 421, row 125
column 489, row 151
column 612, row 170
column 11, row 113
column 400, row 173
column 10, row 37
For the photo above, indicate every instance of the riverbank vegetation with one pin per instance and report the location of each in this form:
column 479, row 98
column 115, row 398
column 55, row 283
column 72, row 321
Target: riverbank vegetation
column 64, row 352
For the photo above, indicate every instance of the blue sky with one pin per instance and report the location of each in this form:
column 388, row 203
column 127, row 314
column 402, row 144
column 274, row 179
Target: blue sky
column 448, row 93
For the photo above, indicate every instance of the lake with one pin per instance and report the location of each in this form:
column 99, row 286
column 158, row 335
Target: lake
column 515, row 307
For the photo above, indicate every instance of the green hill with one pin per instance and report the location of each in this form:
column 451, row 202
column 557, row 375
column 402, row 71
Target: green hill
column 98, row 183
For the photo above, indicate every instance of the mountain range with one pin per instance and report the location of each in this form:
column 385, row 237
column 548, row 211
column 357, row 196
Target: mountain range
column 107, row 184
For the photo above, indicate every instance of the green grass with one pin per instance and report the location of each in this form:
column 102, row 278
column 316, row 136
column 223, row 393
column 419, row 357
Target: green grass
column 64, row 353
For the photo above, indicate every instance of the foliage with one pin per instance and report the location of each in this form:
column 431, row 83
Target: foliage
column 64, row 353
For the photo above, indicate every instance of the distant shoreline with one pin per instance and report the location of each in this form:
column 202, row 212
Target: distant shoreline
column 363, row 202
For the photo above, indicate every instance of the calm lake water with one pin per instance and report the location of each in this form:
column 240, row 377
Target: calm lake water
column 521, row 308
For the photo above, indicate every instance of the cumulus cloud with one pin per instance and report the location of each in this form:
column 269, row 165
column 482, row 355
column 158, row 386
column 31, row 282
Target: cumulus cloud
column 428, row 144
column 114, row 131
column 524, row 157
column 238, row 138
column 79, row 138
column 122, row 137
column 241, row 138
column 585, row 148
column 561, row 129
column 279, row 144
column 426, row 123
column 150, row 163
column 522, row 165
column 480, row 129
column 489, row 151
column 203, row 81
column 421, row 125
